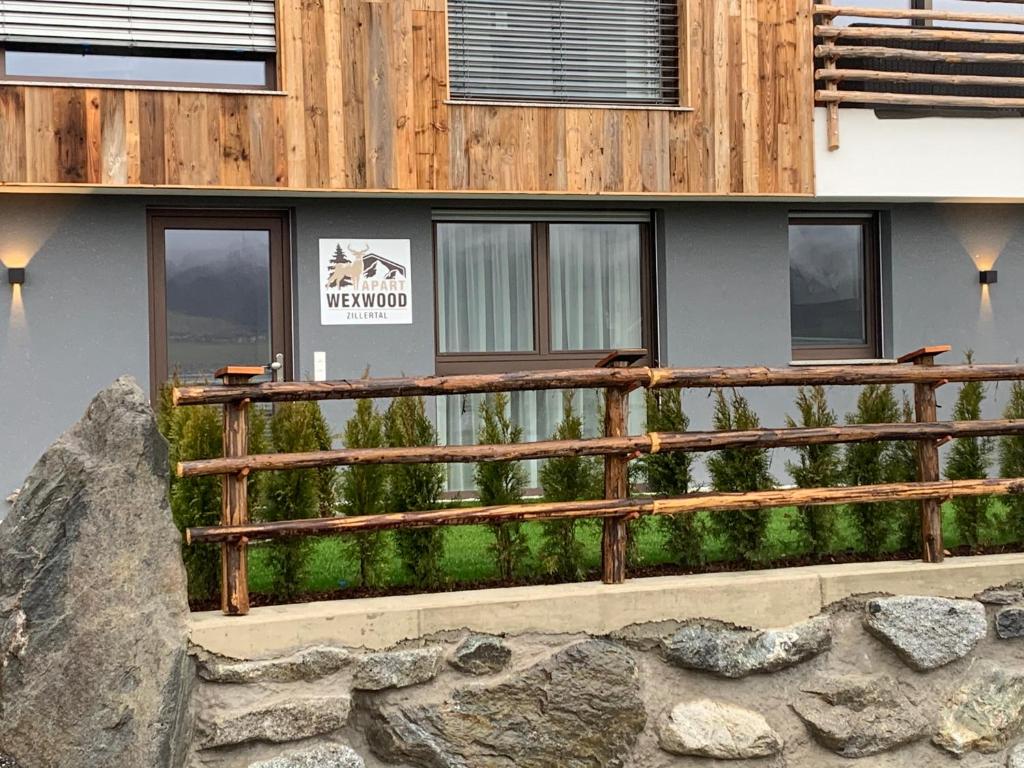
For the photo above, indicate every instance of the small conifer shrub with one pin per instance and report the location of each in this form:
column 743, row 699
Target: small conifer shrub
column 968, row 459
column 671, row 474
column 817, row 466
column 1011, row 464
column 363, row 488
column 739, row 469
column 502, row 482
column 415, row 488
column 567, row 478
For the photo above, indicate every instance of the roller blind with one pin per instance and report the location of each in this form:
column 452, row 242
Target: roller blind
column 621, row 51
column 231, row 25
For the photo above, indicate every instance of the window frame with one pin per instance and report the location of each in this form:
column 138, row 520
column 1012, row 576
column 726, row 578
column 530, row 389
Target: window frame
column 684, row 87
column 269, row 61
column 281, row 320
column 543, row 357
column 871, row 263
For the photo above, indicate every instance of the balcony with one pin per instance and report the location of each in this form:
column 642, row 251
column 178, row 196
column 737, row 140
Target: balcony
column 911, row 62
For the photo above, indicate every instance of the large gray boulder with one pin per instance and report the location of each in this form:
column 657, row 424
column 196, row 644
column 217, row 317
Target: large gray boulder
column 580, row 708
column 324, row 756
column 861, row 715
column 94, row 670
column 986, row 714
column 275, row 720
column 736, row 652
column 305, row 665
column 927, row 632
column 397, row 669
column 706, row 728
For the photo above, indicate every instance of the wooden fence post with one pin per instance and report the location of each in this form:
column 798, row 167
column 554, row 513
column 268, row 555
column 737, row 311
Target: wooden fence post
column 234, row 558
column 925, row 410
column 614, row 536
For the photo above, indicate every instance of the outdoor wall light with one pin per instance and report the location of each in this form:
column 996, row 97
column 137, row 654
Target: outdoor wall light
column 988, row 277
column 16, row 275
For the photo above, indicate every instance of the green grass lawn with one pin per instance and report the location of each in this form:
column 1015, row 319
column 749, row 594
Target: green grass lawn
column 468, row 559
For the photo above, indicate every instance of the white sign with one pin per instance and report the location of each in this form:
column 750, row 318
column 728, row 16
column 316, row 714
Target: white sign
column 365, row 282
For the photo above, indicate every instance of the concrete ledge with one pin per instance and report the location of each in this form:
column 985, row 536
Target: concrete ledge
column 752, row 598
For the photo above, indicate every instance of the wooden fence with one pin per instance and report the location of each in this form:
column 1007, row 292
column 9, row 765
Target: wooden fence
column 902, row 47
column 617, row 378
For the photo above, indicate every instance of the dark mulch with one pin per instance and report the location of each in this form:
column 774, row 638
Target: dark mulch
column 667, row 569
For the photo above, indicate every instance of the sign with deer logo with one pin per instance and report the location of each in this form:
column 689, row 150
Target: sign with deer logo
column 365, row 282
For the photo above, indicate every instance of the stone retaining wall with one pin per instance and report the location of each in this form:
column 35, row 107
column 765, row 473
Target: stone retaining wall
column 880, row 681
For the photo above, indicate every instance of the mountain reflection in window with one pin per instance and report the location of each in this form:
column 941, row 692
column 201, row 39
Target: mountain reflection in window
column 218, row 299
column 827, row 291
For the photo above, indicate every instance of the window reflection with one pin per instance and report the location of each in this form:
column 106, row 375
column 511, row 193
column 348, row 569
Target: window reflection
column 77, row 66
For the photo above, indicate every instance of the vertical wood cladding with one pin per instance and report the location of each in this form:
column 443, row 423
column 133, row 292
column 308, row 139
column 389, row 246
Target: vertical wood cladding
column 364, row 107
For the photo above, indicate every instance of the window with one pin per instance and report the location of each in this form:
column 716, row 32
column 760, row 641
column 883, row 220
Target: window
column 834, row 287
column 565, row 51
column 521, row 295
column 219, row 293
column 187, row 42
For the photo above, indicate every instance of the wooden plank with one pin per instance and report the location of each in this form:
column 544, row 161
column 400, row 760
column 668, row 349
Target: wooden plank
column 93, row 137
column 235, row 141
column 132, row 139
column 293, row 82
column 402, row 89
column 152, row 138
column 918, row 77
column 334, row 83
column 583, row 378
column 988, row 36
column 920, row 99
column 614, row 534
column 113, row 152
column 354, row 88
column 579, row 510
column 234, row 594
column 926, row 410
column 261, row 128
column 12, row 135
column 314, row 94
column 908, row 13
column 69, row 131
column 659, row 442
column 827, row 50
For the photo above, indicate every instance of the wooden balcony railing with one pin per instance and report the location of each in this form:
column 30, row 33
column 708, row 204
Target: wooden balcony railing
column 617, row 379
column 879, row 61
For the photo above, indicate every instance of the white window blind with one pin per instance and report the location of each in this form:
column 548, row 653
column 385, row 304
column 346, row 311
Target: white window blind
column 583, row 51
column 211, row 25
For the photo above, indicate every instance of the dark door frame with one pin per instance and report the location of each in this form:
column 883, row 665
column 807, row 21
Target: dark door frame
column 275, row 221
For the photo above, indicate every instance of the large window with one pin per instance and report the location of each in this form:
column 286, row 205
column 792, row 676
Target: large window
column 565, row 51
column 520, row 295
column 185, row 42
column 834, row 287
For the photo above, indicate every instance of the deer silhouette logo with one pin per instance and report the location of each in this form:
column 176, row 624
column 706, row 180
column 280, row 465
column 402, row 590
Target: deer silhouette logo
column 350, row 264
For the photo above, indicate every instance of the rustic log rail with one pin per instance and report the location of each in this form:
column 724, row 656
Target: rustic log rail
column 617, row 447
column 889, row 43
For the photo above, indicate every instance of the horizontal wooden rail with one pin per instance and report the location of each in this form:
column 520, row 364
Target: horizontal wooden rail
column 831, row 51
column 919, row 99
column 657, row 442
column 829, row 32
column 710, row 502
column 872, row 75
column 653, row 378
column 835, row 11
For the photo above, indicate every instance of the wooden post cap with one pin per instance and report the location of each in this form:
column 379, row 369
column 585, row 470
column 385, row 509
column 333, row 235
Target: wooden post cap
column 917, row 354
column 621, row 357
column 239, row 370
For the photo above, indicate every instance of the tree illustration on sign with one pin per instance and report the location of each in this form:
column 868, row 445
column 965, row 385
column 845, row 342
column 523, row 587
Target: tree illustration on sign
column 360, row 263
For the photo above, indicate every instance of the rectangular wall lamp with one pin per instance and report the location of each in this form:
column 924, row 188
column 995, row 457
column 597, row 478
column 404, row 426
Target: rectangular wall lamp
column 16, row 275
column 988, row 277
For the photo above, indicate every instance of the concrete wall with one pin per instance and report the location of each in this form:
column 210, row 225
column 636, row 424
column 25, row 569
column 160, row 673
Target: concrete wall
column 82, row 319
column 925, row 158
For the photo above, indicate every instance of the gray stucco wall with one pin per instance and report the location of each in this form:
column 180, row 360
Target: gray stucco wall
column 723, row 298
